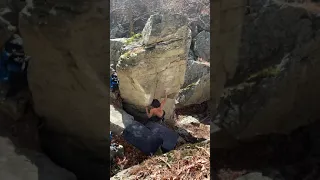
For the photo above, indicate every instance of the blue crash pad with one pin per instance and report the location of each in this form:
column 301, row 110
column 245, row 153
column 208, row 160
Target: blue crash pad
column 142, row 138
column 169, row 137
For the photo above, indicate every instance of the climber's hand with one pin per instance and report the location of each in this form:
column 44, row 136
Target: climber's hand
column 166, row 93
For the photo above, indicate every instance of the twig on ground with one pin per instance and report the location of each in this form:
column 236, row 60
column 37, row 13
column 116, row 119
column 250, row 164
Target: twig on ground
column 202, row 148
column 165, row 162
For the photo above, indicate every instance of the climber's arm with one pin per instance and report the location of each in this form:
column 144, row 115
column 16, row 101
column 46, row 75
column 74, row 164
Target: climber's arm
column 164, row 101
column 149, row 114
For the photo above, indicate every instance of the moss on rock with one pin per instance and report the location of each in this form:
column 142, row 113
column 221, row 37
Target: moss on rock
column 133, row 38
column 267, row 72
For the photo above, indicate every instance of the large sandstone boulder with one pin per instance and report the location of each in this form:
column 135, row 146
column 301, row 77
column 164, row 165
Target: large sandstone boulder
column 155, row 63
column 69, row 63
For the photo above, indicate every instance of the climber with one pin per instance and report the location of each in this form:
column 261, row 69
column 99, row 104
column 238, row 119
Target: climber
column 14, row 44
column 156, row 110
column 13, row 65
column 17, row 68
column 114, row 82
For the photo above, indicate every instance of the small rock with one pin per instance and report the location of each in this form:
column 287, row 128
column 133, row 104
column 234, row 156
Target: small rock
column 192, row 130
column 119, row 120
column 116, row 150
column 188, row 120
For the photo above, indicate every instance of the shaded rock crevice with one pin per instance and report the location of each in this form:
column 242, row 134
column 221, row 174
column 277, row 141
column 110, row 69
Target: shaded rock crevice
column 268, row 109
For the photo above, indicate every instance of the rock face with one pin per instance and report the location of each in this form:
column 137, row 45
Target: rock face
column 276, row 100
column 195, row 93
column 266, row 38
column 4, row 36
column 28, row 165
column 272, row 88
column 117, row 31
column 122, row 13
column 196, row 87
column 19, row 151
column 272, row 83
column 156, row 63
column 116, row 46
column 165, row 28
column 202, row 45
column 8, row 23
column 226, row 30
column 195, row 70
column 68, row 67
column 137, row 12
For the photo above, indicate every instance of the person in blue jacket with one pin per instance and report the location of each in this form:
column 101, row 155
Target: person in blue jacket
column 17, row 73
column 114, row 82
column 14, row 64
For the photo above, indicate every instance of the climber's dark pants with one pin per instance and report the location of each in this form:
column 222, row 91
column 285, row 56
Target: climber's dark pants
column 115, row 87
column 17, row 82
column 156, row 119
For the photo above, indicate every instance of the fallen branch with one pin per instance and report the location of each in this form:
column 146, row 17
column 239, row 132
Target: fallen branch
column 165, row 162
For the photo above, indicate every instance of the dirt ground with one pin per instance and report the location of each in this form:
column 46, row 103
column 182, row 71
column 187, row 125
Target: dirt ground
column 132, row 156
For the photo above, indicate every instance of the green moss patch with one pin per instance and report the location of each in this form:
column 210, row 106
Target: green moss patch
column 133, row 38
column 267, row 72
